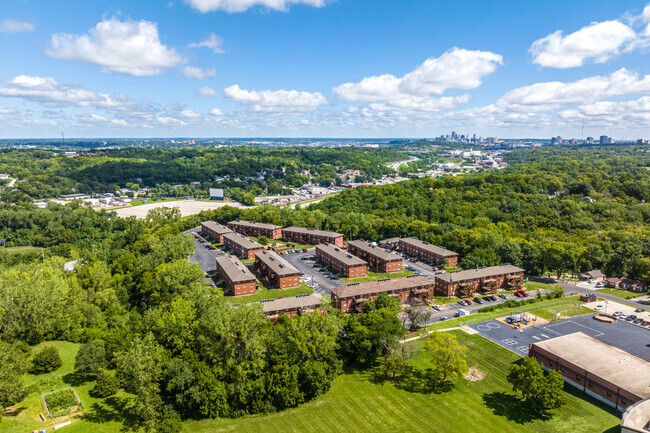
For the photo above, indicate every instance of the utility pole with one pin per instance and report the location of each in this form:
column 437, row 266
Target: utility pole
column 43, row 253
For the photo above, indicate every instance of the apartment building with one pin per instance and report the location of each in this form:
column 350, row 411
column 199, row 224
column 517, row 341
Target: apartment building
column 340, row 260
column 255, row 229
column 298, row 305
column 311, row 236
column 214, row 231
column 276, row 271
column 412, row 289
column 379, row 260
column 486, row 279
column 241, row 245
column 428, row 252
column 238, row 280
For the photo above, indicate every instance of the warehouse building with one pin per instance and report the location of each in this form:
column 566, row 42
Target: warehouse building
column 486, row 279
column 428, row 252
column 379, row 260
column 276, row 271
column 342, row 261
column 238, row 280
column 241, row 245
column 413, row 289
column 605, row 372
column 299, row 305
column 214, row 231
column 311, row 236
column 254, row 229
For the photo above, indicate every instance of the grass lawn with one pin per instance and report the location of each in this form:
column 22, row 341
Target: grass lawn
column 621, row 293
column 374, row 276
column 19, row 250
column 140, row 201
column 439, row 300
column 565, row 311
column 266, row 293
column 358, row 404
column 452, row 269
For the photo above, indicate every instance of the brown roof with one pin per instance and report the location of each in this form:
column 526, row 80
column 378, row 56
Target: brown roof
column 341, row 255
column 381, row 286
column 375, row 251
column 277, row 264
column 306, row 231
column 255, row 224
column 236, row 271
column 243, row 241
column 442, row 252
column 283, row 304
column 471, row 274
column 607, row 362
column 625, row 280
column 217, row 228
column 597, row 273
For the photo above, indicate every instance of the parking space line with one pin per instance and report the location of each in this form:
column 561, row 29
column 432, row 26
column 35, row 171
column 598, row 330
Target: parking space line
column 536, row 337
column 597, row 333
column 544, row 335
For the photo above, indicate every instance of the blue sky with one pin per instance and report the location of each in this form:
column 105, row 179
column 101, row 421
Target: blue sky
column 320, row 68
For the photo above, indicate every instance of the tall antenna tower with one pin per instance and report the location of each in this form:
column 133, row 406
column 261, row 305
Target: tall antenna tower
column 582, row 134
column 62, row 139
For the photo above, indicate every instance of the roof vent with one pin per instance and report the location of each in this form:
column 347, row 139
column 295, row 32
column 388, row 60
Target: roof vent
column 281, row 265
column 349, row 256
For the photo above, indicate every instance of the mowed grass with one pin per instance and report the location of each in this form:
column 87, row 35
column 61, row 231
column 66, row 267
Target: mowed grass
column 357, row 404
column 621, row 293
column 374, row 276
column 18, row 250
column 565, row 311
column 534, row 285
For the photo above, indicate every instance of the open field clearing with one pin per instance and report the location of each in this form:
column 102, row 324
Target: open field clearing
column 187, row 207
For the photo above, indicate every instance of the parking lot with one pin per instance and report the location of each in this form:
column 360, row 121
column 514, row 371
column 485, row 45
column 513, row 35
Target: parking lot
column 631, row 338
column 325, row 285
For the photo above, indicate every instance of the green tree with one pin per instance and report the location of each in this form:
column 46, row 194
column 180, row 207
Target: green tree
column 46, row 360
column 13, row 364
column 446, row 354
column 91, row 357
column 105, row 384
column 541, row 392
column 263, row 240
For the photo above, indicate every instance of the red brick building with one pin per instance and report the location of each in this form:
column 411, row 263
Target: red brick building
column 379, row 260
column 238, row 280
column 299, row 305
column 605, row 372
column 351, row 298
column 428, row 252
column 254, row 229
column 276, row 271
column 488, row 280
column 627, row 284
column 340, row 260
column 241, row 245
column 214, row 231
column 312, row 236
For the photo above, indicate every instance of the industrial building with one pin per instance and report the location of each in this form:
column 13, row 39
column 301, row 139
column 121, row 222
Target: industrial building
column 341, row 261
column 238, row 280
column 275, row 271
column 413, row 289
column 255, row 229
column 487, row 280
column 214, row 231
column 241, row 245
column 379, row 260
column 428, row 252
column 311, row 236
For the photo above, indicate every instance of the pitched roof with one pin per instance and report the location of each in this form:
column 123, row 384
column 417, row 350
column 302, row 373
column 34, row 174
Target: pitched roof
column 607, row 362
column 381, row 286
column 341, row 255
column 314, row 232
column 471, row 274
column 283, row 304
column 375, row 251
column 596, row 273
column 277, row 264
column 625, row 280
column 215, row 227
column 243, row 241
column 255, row 224
column 442, row 252
column 236, row 271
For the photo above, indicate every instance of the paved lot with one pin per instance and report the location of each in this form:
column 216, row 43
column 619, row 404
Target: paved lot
column 204, row 257
column 187, row 207
column 631, row 338
column 325, row 285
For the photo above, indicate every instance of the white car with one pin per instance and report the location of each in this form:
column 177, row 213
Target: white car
column 599, row 308
column 617, row 313
column 437, row 307
column 622, row 316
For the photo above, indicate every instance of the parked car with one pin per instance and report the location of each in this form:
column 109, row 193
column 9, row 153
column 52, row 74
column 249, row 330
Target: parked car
column 638, row 320
column 502, row 296
column 463, row 303
column 622, row 316
column 646, row 323
column 304, row 250
column 468, row 302
column 444, row 318
column 599, row 308
column 631, row 318
column 478, row 300
column 437, row 307
column 600, row 284
column 617, row 313
column 639, row 310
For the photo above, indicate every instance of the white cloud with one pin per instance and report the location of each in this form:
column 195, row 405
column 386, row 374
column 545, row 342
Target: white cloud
column 193, row 72
column 47, row 91
column 276, row 101
column 597, row 41
column 455, row 69
column 232, row 6
column 206, row 92
column 213, row 42
column 11, row 26
column 129, row 47
column 216, row 112
column 190, row 114
column 554, row 94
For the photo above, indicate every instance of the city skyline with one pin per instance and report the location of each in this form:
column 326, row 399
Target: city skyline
column 319, row 68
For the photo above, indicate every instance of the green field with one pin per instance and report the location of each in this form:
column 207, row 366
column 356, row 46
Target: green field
column 621, row 293
column 374, row 276
column 534, row 285
column 356, row 403
column 19, row 250
column 140, row 201
column 565, row 311
column 266, row 293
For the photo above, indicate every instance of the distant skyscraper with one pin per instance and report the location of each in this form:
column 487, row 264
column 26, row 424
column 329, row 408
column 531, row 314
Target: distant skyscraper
column 607, row 140
column 556, row 140
column 590, row 140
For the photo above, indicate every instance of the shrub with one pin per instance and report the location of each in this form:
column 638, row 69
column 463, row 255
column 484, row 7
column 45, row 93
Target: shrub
column 46, row 361
column 105, row 385
column 91, row 357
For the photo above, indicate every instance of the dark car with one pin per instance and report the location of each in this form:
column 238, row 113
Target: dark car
column 638, row 320
column 478, row 300
column 639, row 310
column 631, row 318
column 444, row 318
column 502, row 296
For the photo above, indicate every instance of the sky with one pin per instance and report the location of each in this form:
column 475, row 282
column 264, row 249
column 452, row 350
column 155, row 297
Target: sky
column 324, row 68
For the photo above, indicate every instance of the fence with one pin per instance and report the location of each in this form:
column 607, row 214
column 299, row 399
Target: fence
column 482, row 317
column 63, row 411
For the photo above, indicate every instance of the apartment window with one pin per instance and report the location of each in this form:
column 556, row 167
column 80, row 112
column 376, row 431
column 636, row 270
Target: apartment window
column 578, row 377
column 624, row 401
column 590, row 384
column 609, row 393
column 550, row 363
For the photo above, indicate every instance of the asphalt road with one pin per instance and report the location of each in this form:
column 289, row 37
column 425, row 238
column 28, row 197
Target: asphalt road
column 325, row 285
column 572, row 289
